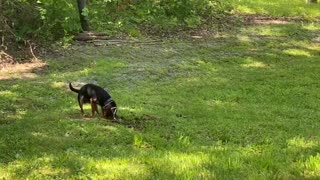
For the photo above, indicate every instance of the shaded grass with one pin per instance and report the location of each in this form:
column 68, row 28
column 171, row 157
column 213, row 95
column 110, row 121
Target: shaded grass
column 277, row 8
column 244, row 105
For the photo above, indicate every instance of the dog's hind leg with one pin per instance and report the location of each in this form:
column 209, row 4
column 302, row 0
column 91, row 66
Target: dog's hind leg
column 81, row 102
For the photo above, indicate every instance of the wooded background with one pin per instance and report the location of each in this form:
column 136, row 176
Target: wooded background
column 29, row 22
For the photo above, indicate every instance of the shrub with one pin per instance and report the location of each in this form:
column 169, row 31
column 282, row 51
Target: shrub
column 55, row 19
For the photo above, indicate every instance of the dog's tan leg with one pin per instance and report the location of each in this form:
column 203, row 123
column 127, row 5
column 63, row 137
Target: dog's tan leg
column 103, row 113
column 80, row 99
column 82, row 112
column 93, row 107
column 96, row 108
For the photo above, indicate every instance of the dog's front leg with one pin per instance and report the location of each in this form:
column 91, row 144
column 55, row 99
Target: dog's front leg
column 96, row 108
column 103, row 112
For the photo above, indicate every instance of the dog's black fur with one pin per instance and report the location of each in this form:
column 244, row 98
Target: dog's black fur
column 94, row 95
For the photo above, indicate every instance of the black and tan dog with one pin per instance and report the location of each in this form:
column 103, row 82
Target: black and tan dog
column 94, row 95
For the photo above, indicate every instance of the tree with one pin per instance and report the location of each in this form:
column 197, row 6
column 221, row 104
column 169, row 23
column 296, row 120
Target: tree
column 83, row 20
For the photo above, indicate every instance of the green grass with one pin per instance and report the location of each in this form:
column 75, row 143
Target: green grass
column 277, row 8
column 243, row 105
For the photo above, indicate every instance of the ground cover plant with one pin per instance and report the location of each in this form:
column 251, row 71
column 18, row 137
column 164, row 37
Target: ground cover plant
column 232, row 106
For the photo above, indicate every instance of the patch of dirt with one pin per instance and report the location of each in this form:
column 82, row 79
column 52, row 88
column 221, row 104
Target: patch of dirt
column 138, row 123
column 22, row 71
column 261, row 19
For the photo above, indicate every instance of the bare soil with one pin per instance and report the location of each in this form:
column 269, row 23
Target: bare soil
column 22, row 71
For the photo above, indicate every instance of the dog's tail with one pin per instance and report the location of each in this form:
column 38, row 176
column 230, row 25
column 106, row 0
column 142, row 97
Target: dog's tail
column 73, row 89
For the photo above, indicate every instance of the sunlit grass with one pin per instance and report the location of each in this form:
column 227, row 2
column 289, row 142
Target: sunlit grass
column 297, row 52
column 311, row 166
column 277, row 8
column 239, row 106
column 8, row 94
column 312, row 26
column 249, row 62
column 302, row 143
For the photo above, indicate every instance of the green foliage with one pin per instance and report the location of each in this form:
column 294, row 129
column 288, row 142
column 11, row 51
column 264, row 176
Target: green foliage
column 162, row 15
column 41, row 19
column 55, row 19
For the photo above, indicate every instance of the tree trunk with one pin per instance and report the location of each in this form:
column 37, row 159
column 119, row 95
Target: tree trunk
column 83, row 20
column 1, row 11
column 312, row 1
column 2, row 24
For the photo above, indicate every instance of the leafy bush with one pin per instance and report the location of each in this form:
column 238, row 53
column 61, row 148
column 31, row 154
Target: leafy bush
column 56, row 19
column 123, row 15
column 40, row 19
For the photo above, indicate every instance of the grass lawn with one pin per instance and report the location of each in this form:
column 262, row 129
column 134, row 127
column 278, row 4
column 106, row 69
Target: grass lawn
column 277, row 7
column 239, row 105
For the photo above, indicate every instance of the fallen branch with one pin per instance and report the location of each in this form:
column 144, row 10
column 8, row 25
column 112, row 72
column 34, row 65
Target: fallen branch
column 5, row 54
column 5, row 59
column 31, row 51
column 87, row 36
column 116, row 42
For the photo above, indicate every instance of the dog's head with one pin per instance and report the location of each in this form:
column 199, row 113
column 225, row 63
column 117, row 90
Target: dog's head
column 110, row 110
